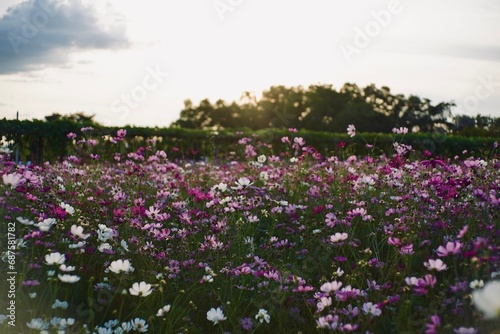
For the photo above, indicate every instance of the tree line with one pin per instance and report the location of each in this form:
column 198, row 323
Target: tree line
column 323, row 108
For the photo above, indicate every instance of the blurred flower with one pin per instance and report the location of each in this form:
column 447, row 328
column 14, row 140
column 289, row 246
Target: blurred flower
column 351, row 130
column 12, row 179
column 400, row 131
column 487, row 299
column 38, row 324
column 433, row 325
column 432, row 162
column 60, row 304
column 215, row 315
column 463, row 330
column 246, row 324
column 141, row 289
column 263, row 316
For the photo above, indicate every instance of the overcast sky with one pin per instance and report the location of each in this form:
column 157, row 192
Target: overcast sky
column 135, row 62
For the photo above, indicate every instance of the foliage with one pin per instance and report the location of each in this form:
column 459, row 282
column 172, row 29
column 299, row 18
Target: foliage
column 48, row 141
column 321, row 108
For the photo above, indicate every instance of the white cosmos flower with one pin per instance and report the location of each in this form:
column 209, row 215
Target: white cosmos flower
column 25, row 221
column 216, row 315
column 369, row 308
column 54, row 258
column 77, row 245
column 63, row 267
column 5, row 150
column 476, row 284
column 487, row 299
column 77, row 231
column 142, row 289
column 12, row 179
column 243, row 182
column 222, row 186
column 68, row 208
column 60, row 304
column 263, row 316
column 104, row 246
column 46, row 224
column 121, row 266
column 38, row 324
column 139, row 325
column 68, row 278
column 164, row 310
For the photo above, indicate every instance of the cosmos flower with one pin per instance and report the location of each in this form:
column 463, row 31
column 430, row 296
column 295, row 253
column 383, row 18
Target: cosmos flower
column 263, row 316
column 68, row 208
column 338, row 237
column 46, row 224
column 437, row 265
column 451, row 248
column 54, row 258
column 331, row 286
column 164, row 310
column 12, row 180
column 77, row 231
column 38, row 324
column 65, row 268
column 141, row 289
column 139, row 325
column 476, row 284
column 121, row 266
column 215, row 315
column 68, row 278
column 351, row 130
column 371, row 309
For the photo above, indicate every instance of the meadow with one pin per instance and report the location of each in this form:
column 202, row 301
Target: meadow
column 270, row 239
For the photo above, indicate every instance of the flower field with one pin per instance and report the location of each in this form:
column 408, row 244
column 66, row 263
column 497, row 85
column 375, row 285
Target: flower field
column 267, row 240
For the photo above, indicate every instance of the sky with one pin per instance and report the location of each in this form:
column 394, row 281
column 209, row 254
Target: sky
column 132, row 62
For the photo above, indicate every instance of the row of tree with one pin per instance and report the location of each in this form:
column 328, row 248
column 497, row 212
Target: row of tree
column 322, row 108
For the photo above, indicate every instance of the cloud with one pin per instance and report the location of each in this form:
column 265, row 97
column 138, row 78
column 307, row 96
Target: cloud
column 36, row 34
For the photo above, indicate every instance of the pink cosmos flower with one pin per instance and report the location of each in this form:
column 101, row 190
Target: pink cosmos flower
column 451, row 248
column 434, row 324
column 330, row 286
column 338, row 237
column 437, row 265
